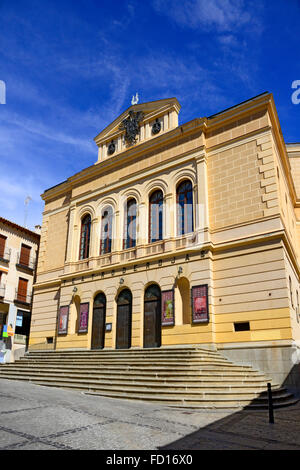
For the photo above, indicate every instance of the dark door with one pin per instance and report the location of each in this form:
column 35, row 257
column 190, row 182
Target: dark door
column 124, row 308
column 98, row 330
column 152, row 317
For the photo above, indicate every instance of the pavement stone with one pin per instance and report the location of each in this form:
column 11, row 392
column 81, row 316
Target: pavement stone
column 33, row 417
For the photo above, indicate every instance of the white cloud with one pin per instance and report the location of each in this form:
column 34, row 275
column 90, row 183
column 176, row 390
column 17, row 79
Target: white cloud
column 224, row 15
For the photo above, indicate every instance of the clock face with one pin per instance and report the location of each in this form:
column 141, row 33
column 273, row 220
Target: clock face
column 111, row 148
column 156, row 127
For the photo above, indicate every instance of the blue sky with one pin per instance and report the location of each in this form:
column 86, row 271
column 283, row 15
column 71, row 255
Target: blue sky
column 71, row 67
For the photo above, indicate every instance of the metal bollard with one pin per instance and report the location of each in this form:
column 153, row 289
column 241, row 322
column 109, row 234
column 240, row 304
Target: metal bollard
column 271, row 414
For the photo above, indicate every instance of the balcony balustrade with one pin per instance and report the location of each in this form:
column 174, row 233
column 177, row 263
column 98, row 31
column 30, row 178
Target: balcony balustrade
column 187, row 241
column 5, row 255
column 22, row 297
column 25, row 262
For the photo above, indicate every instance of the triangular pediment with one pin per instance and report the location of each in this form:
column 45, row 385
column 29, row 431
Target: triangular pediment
column 162, row 114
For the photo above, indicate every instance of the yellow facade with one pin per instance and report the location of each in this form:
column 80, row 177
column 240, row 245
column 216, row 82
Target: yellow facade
column 244, row 245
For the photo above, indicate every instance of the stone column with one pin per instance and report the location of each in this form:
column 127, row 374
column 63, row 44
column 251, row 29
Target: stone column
column 169, row 226
column 202, row 215
column 71, row 235
column 94, row 238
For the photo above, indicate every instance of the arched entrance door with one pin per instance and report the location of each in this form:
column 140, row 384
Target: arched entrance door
column 124, row 310
column 152, row 317
column 98, row 329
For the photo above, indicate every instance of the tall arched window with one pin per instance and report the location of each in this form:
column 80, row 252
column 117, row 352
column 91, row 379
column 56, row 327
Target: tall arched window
column 130, row 224
column 106, row 231
column 156, row 216
column 185, row 213
column 85, row 237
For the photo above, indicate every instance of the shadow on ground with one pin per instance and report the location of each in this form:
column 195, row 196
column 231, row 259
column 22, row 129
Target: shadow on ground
column 246, row 430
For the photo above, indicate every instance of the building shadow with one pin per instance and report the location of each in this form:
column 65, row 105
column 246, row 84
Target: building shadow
column 250, row 428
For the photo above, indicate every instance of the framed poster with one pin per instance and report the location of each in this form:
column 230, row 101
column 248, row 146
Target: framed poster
column 63, row 320
column 200, row 304
column 167, row 308
column 83, row 318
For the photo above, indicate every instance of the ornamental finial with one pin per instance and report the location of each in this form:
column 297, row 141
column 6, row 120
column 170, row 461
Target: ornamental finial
column 135, row 99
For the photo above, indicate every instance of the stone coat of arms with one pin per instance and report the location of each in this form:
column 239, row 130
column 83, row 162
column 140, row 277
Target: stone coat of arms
column 131, row 126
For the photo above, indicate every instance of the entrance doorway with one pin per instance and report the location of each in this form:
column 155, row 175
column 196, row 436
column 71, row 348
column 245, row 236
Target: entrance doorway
column 124, row 312
column 152, row 317
column 98, row 329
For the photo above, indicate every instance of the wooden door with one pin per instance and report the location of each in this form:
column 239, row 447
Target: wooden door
column 98, row 328
column 123, row 333
column 152, row 317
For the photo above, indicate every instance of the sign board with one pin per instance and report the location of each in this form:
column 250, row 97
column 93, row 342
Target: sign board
column 83, row 319
column 10, row 331
column 167, row 308
column 200, row 304
column 63, row 320
column 20, row 339
column 19, row 320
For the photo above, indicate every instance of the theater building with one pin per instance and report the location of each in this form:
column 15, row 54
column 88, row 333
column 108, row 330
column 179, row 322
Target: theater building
column 179, row 234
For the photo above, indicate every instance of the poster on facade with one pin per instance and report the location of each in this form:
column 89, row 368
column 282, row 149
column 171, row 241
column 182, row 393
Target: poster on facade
column 200, row 304
column 167, row 308
column 63, row 320
column 19, row 320
column 83, row 318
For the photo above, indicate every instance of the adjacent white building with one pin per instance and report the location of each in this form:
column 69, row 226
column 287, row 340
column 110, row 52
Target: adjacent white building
column 18, row 255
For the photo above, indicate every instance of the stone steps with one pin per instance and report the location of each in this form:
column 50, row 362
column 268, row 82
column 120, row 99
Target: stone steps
column 181, row 376
column 131, row 374
column 162, row 385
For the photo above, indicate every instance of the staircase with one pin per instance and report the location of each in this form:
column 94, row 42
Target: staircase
column 190, row 377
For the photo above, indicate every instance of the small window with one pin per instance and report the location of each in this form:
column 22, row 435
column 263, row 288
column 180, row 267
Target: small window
column 25, row 255
column 2, row 245
column 242, row 326
column 50, row 340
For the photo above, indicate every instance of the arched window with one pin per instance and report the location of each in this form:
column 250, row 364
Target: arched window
column 156, row 216
column 106, row 231
column 184, row 197
column 130, row 224
column 85, row 237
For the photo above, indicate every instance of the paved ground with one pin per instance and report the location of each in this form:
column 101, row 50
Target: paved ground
column 42, row 418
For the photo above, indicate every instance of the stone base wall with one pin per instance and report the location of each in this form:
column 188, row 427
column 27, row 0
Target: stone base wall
column 280, row 361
